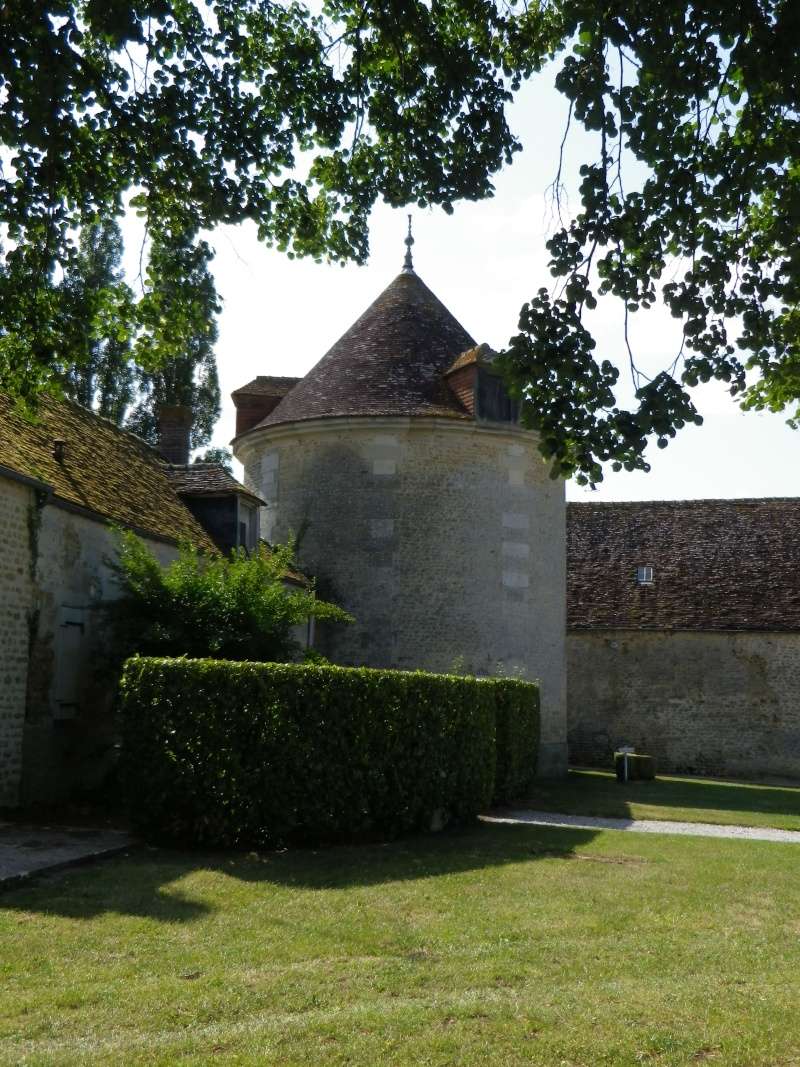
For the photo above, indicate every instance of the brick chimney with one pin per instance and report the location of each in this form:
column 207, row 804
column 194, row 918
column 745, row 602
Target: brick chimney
column 258, row 399
column 174, row 430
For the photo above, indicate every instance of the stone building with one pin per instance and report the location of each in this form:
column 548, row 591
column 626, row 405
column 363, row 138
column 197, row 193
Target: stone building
column 65, row 480
column 418, row 501
column 684, row 634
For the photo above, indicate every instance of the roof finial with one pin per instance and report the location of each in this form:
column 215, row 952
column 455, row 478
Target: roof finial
column 408, row 263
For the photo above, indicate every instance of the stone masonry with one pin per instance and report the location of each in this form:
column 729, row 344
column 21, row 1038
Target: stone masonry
column 443, row 538
column 700, row 702
column 66, row 747
column 16, row 501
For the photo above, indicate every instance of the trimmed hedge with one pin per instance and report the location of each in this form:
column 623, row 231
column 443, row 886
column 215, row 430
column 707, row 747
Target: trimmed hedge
column 517, row 737
column 227, row 753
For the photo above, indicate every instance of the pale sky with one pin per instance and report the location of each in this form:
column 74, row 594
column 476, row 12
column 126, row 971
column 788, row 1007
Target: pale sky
column 484, row 261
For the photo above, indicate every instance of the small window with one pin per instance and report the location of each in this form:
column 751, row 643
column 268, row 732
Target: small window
column 644, row 575
column 494, row 403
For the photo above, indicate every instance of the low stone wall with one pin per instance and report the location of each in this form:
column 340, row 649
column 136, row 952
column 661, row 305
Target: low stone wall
column 706, row 703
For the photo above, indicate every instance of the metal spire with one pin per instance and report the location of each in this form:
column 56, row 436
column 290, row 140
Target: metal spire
column 408, row 263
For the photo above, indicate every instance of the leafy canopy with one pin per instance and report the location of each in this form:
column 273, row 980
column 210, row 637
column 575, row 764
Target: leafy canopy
column 236, row 607
column 236, row 110
column 178, row 315
column 125, row 379
column 707, row 97
column 221, row 112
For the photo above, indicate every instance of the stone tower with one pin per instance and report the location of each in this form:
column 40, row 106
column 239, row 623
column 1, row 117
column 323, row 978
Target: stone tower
column 420, row 504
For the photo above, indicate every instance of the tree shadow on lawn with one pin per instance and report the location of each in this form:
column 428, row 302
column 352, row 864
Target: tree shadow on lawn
column 141, row 883
column 593, row 793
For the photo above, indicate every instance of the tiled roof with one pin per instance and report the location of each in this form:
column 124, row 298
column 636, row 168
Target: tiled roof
column 105, row 470
column 717, row 565
column 267, row 385
column 205, row 479
column 390, row 362
column 468, row 358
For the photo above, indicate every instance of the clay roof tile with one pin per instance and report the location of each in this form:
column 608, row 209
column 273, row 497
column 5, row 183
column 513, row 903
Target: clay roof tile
column 104, row 470
column 390, row 362
column 206, row 479
column 717, row 565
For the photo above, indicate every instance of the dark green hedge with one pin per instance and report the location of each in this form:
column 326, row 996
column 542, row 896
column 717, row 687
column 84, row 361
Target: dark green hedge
column 517, row 732
column 227, row 753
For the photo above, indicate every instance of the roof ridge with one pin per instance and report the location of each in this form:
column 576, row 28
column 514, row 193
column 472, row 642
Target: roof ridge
column 686, row 502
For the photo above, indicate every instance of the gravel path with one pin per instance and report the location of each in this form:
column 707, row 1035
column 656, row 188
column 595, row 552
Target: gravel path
column 645, row 826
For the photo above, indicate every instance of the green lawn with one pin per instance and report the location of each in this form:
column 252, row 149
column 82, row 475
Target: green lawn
column 498, row 945
column 686, row 799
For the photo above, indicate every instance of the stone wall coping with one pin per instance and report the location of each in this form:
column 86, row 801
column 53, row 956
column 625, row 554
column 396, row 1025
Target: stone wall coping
column 589, row 629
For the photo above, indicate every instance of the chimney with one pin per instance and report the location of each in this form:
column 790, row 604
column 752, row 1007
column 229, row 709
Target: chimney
column 174, row 429
column 258, row 399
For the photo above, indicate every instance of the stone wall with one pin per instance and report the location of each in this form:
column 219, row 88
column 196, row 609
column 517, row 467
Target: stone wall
column 444, row 539
column 16, row 604
column 70, row 731
column 720, row 703
column 56, row 726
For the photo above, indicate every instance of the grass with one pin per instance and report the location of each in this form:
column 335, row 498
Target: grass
column 684, row 799
column 500, row 945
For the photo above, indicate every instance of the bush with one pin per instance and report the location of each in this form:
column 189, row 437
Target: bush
column 235, row 607
column 229, row 754
column 517, row 737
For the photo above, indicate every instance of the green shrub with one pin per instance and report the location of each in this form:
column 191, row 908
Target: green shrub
column 517, row 737
column 235, row 607
column 229, row 753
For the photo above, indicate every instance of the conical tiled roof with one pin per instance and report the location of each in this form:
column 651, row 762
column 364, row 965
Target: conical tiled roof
column 390, row 362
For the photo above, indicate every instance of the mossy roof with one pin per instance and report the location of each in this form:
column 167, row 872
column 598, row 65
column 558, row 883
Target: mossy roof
column 717, row 565
column 105, row 470
column 206, row 479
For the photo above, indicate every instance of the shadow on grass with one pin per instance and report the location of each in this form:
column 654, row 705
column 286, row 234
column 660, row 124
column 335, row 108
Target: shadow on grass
column 146, row 883
column 597, row 793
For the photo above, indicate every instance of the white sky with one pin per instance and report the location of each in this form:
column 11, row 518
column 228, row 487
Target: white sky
column 484, row 261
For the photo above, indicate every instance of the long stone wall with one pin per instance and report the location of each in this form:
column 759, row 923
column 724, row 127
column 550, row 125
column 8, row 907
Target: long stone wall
column 720, row 703
column 444, row 539
column 16, row 604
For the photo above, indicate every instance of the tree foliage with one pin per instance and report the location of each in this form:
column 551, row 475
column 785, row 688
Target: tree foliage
column 222, row 456
column 118, row 366
column 236, row 607
column 178, row 316
column 229, row 111
column 258, row 110
column 707, row 97
column 98, row 305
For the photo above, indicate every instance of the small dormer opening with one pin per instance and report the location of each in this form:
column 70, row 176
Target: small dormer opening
column 493, row 402
column 645, row 574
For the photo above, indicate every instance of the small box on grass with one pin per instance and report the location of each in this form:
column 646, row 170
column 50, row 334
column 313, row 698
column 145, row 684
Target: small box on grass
column 634, row 767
